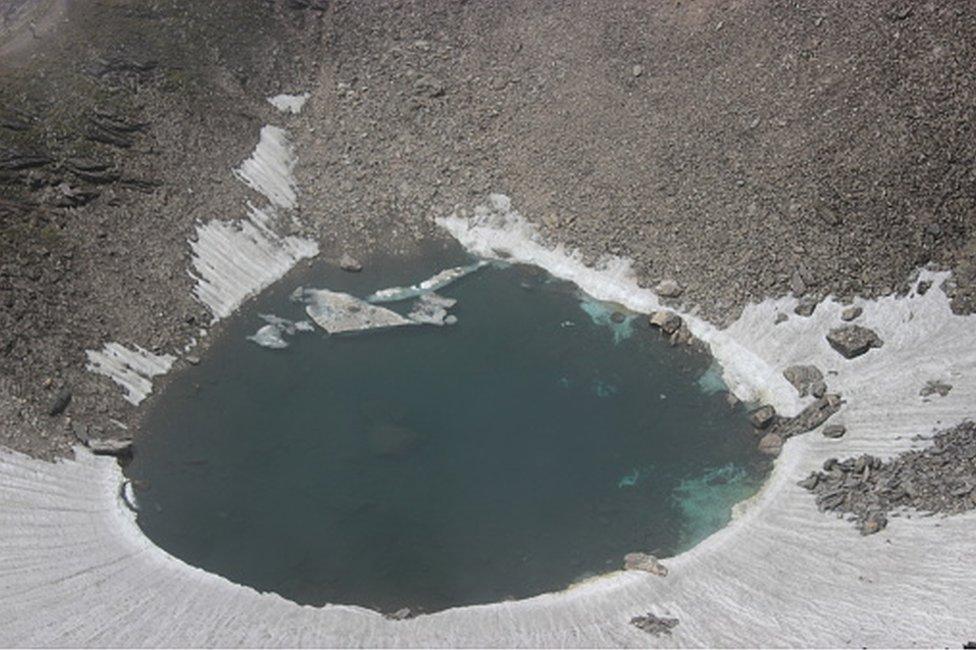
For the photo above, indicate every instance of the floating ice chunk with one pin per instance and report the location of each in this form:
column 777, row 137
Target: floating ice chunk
column 431, row 309
column 430, row 285
column 289, row 103
column 273, row 334
column 337, row 312
column 269, row 336
column 133, row 370
column 630, row 480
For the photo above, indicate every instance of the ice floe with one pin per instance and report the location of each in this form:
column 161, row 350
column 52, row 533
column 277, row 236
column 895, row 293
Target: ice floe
column 431, row 309
column 338, row 312
column 272, row 335
column 434, row 283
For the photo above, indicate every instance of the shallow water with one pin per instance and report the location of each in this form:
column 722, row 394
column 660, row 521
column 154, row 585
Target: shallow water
column 530, row 445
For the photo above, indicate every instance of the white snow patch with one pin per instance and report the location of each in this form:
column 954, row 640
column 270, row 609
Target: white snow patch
column 269, row 169
column 132, row 369
column 289, row 103
column 234, row 260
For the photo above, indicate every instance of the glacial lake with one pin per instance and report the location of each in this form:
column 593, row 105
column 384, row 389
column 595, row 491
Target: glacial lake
column 528, row 446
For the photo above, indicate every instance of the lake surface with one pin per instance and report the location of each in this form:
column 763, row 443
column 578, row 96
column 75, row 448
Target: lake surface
column 530, row 445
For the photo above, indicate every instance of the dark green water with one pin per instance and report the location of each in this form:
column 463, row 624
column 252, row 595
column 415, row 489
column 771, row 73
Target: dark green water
column 528, row 446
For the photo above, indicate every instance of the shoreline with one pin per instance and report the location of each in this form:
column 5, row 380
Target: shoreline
column 719, row 578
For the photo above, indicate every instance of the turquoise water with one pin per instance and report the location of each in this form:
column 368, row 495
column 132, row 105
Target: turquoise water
column 532, row 444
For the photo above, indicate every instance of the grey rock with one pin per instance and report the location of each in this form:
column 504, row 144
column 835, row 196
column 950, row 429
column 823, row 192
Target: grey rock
column 349, row 263
column 771, row 444
column 763, row 416
column 803, row 378
column 853, row 340
column 637, row 70
column 923, row 287
column 834, row 431
column 644, row 562
column 667, row 321
column 401, row 614
column 668, row 289
column 806, row 307
column 780, row 318
column 850, row 313
column 60, row 402
column 875, row 522
column 655, row 625
column 810, row 482
column 810, row 417
column 120, row 448
column 935, row 387
column 428, row 86
column 797, row 285
column 193, row 360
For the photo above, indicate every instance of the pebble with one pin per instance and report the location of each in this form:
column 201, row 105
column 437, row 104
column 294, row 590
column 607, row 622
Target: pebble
column 834, row 431
column 850, row 313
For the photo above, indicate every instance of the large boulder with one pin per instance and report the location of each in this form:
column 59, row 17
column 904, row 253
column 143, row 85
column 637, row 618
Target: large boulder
column 763, row 416
column 853, row 340
column 808, row 380
column 771, row 444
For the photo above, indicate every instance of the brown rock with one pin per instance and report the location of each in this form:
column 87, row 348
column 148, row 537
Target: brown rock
column 644, row 562
column 771, row 444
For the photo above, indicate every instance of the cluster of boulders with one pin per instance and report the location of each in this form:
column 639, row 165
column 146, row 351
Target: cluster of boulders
column 938, row 479
column 671, row 324
column 776, row 429
column 656, row 625
column 644, row 562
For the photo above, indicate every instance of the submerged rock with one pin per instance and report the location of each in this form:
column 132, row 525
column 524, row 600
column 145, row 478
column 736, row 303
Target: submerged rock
column 853, row 340
column 644, row 562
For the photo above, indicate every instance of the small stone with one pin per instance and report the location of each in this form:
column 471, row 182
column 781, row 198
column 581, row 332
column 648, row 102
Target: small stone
column 805, row 307
column 59, row 403
column 668, row 289
column 637, row 70
column 120, row 448
column 350, row 264
column 193, row 360
column 818, row 389
column 875, row 522
column 810, row 482
column 667, row 321
column 763, row 416
column 401, row 614
column 797, row 285
column 644, row 562
column 850, row 313
column 834, row 431
column 923, row 287
column 771, row 444
column 935, row 387
column 780, row 318
column 853, row 340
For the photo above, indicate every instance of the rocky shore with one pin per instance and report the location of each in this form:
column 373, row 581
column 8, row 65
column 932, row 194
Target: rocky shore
column 740, row 150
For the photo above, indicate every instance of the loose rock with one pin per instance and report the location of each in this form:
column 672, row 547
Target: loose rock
column 935, row 387
column 771, row 444
column 853, row 340
column 763, row 416
column 805, row 307
column 668, row 289
column 60, row 402
column 120, row 448
column 806, row 379
column 667, row 321
column 834, row 431
column 350, row 263
column 644, row 562
column 850, row 313
column 655, row 625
